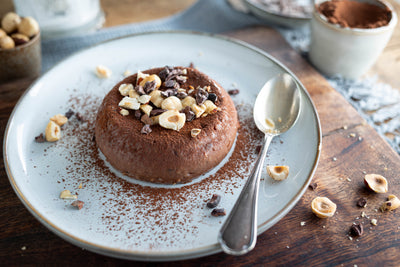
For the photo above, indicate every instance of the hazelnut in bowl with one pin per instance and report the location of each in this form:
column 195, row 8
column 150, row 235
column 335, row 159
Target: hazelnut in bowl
column 20, row 50
column 347, row 36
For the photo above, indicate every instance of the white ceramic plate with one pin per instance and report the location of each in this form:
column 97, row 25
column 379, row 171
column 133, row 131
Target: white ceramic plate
column 132, row 221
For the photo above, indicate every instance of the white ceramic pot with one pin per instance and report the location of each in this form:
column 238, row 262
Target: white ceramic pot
column 349, row 52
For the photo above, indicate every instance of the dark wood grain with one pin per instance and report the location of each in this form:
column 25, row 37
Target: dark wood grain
column 320, row 242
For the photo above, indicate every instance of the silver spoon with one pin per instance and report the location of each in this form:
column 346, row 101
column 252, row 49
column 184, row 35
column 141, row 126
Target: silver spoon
column 275, row 111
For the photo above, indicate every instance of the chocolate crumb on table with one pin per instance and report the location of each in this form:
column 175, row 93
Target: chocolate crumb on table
column 69, row 113
column 233, row 91
column 313, row 186
column 78, row 203
column 356, row 230
column 362, row 202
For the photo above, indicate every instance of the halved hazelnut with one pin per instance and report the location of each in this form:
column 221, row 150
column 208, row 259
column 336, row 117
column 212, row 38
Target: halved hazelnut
column 125, row 88
column 129, row 103
column 188, row 101
column 103, row 71
column 376, row 183
column 392, row 203
column 144, row 99
column 323, row 207
column 195, row 132
column 66, row 194
column 171, row 103
column 156, row 98
column 59, row 119
column 124, row 112
column 278, row 173
column 151, row 78
column 146, row 109
column 52, row 132
column 172, row 119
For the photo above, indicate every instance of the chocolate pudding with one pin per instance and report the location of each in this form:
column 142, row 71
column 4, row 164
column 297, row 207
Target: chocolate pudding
column 186, row 124
column 353, row 14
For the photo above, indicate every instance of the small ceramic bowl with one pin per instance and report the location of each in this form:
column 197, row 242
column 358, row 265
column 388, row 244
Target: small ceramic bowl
column 349, row 52
column 22, row 61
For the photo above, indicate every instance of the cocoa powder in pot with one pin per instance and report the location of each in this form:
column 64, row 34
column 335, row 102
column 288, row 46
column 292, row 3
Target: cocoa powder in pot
column 355, row 14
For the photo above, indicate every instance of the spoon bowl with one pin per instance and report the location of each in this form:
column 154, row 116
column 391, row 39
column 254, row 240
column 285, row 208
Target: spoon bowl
column 276, row 109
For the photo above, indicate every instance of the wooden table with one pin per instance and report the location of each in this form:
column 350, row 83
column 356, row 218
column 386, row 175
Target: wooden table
column 350, row 149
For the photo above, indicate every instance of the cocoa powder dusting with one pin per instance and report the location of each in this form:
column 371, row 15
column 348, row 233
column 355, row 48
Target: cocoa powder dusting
column 149, row 216
column 355, row 14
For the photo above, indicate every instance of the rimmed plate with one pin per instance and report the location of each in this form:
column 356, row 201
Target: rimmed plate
column 137, row 222
column 262, row 12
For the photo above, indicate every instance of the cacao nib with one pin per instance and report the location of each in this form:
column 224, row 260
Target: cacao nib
column 191, row 65
column 233, row 92
column 188, row 113
column 181, row 79
column 138, row 114
column 214, row 201
column 69, row 113
column 312, row 186
column 169, row 92
column 40, row 138
column 164, row 73
column 170, row 83
column 356, row 229
column 362, row 202
column 212, row 97
column 157, row 111
column 146, row 119
column 218, row 212
column 149, row 87
column 139, row 89
column 181, row 95
column 146, row 129
column 201, row 96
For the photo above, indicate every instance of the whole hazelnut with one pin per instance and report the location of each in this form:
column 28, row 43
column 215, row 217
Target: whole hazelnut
column 28, row 26
column 10, row 22
column 19, row 38
column 7, row 42
column 2, row 33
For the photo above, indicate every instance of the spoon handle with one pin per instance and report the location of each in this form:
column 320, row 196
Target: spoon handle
column 238, row 235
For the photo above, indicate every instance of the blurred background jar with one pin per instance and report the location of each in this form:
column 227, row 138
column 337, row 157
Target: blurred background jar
column 59, row 18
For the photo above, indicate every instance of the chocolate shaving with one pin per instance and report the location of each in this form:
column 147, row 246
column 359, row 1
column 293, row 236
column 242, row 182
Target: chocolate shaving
column 69, row 113
column 139, row 89
column 214, row 201
column 77, row 203
column 188, row 113
column 146, row 129
column 164, row 73
column 233, row 92
column 201, row 96
column 157, row 111
column 218, row 212
column 181, row 95
column 146, row 119
column 212, row 97
column 40, row 138
column 362, row 202
column 138, row 114
column 169, row 92
column 356, row 229
column 149, row 87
